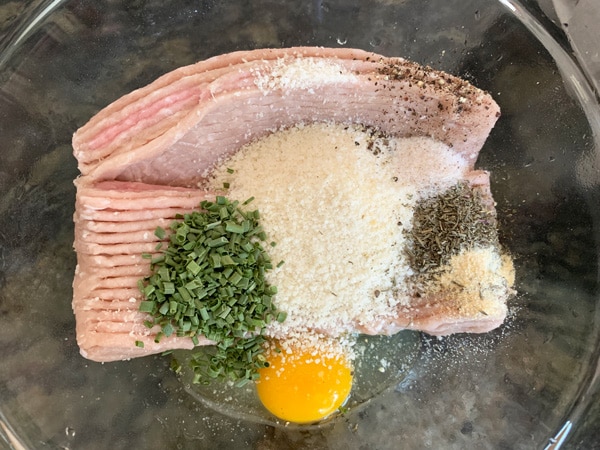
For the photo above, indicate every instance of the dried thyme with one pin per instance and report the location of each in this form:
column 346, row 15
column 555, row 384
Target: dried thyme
column 447, row 224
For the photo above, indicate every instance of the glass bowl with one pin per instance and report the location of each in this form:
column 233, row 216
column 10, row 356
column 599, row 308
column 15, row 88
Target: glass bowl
column 533, row 383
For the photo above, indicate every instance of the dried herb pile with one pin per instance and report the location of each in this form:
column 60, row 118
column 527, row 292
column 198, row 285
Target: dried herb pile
column 446, row 224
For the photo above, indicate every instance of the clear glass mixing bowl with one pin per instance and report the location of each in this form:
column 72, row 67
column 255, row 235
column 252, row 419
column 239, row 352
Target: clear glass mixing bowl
column 533, row 383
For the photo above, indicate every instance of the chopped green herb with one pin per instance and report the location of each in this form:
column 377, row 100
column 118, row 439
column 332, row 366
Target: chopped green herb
column 210, row 281
column 147, row 306
column 160, row 232
column 175, row 365
column 139, row 344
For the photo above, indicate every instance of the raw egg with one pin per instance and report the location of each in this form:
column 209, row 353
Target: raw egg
column 302, row 386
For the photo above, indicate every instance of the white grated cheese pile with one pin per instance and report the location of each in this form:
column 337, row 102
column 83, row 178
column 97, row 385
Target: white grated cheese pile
column 302, row 73
column 335, row 200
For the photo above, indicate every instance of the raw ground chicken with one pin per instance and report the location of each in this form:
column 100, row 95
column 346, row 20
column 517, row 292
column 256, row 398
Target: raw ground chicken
column 147, row 156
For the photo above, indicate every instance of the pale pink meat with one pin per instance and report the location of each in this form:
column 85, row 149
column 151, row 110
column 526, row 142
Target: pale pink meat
column 243, row 97
column 433, row 316
column 144, row 157
column 124, row 227
column 106, row 298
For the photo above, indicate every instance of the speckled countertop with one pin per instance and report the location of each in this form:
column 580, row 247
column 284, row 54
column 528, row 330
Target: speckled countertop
column 461, row 392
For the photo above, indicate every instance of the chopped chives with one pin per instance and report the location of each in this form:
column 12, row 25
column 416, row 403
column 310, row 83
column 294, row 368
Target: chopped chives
column 193, row 268
column 210, row 281
column 168, row 288
column 204, row 314
column 167, row 329
column 218, row 242
column 147, row 306
column 164, row 274
column 148, row 290
column 227, row 260
column 160, row 232
column 234, row 227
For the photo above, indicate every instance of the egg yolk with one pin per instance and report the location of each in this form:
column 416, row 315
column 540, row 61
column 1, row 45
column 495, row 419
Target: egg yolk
column 303, row 388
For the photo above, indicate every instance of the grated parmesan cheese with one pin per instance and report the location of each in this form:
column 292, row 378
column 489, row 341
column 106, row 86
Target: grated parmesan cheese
column 336, row 199
column 302, row 73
